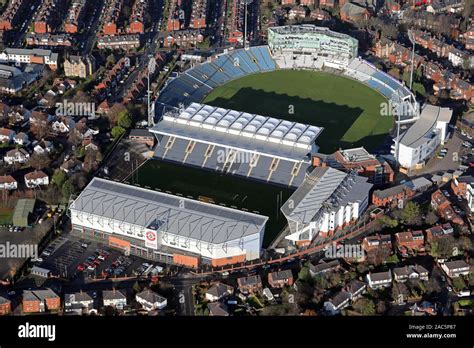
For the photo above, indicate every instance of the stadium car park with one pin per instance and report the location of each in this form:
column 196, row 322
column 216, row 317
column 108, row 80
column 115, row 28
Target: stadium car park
column 71, row 257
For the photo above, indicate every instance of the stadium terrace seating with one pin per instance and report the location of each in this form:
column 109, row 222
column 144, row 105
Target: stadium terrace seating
column 193, row 153
column 197, row 82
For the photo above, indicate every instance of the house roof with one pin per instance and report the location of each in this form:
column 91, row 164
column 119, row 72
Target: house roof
column 324, row 266
column 354, row 286
column 340, row 298
column 282, row 275
column 219, row 290
column 452, row 265
column 7, row 179
column 380, row 276
column 217, row 309
column 151, row 296
column 252, row 280
column 113, row 295
column 78, row 297
column 37, row 174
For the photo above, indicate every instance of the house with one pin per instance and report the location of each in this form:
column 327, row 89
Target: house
column 339, row 301
column 454, row 269
column 402, row 274
column 43, row 147
column 21, row 139
column 420, row 184
column 71, row 166
column 40, row 272
column 355, row 289
column 36, row 178
column 142, row 136
column 83, row 131
column 251, row 284
column 297, row 12
column 7, row 182
column 5, row 306
column 323, row 267
column 63, row 124
column 412, row 240
column 353, row 12
column 280, row 279
column 18, row 114
column 377, row 242
column 39, row 301
column 443, row 207
column 424, row 308
column 90, row 144
column 360, row 160
column 6, row 135
column 150, row 300
column 379, row 280
column 39, row 118
column 114, row 298
column 78, row 66
column 217, row 309
column 391, row 196
column 79, row 302
column 436, row 232
column 20, row 156
column 218, row 291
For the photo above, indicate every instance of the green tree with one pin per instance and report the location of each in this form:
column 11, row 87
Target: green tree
column 124, row 119
column 365, row 306
column 59, row 177
column 388, row 222
column 136, row 287
column 410, row 214
column 68, row 189
column 117, row 131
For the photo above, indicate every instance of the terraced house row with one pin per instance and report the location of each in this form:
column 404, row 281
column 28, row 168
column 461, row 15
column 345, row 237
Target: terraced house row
column 48, row 16
column 75, row 14
column 137, row 19
column 110, row 16
column 9, row 17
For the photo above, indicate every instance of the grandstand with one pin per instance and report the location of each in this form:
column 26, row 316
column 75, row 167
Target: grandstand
column 289, row 47
column 237, row 143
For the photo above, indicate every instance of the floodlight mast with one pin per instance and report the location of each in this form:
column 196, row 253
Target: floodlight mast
column 151, row 69
column 412, row 40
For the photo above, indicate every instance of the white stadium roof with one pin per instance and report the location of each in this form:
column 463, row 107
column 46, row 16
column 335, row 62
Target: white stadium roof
column 166, row 213
column 422, row 129
column 324, row 187
column 251, row 126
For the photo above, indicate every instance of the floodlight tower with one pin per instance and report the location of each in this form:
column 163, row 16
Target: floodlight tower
column 151, row 70
column 412, row 40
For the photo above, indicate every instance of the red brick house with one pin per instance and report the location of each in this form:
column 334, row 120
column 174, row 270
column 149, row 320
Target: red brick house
column 412, row 240
column 5, row 306
column 280, row 279
column 391, row 196
column 38, row 301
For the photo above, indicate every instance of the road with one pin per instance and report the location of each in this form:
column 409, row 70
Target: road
column 151, row 47
column 92, row 27
column 19, row 34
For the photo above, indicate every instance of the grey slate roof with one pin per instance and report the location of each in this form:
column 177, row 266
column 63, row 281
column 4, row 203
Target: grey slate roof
column 167, row 213
column 151, row 296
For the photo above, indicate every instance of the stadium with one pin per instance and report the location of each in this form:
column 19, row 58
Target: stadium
column 238, row 157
